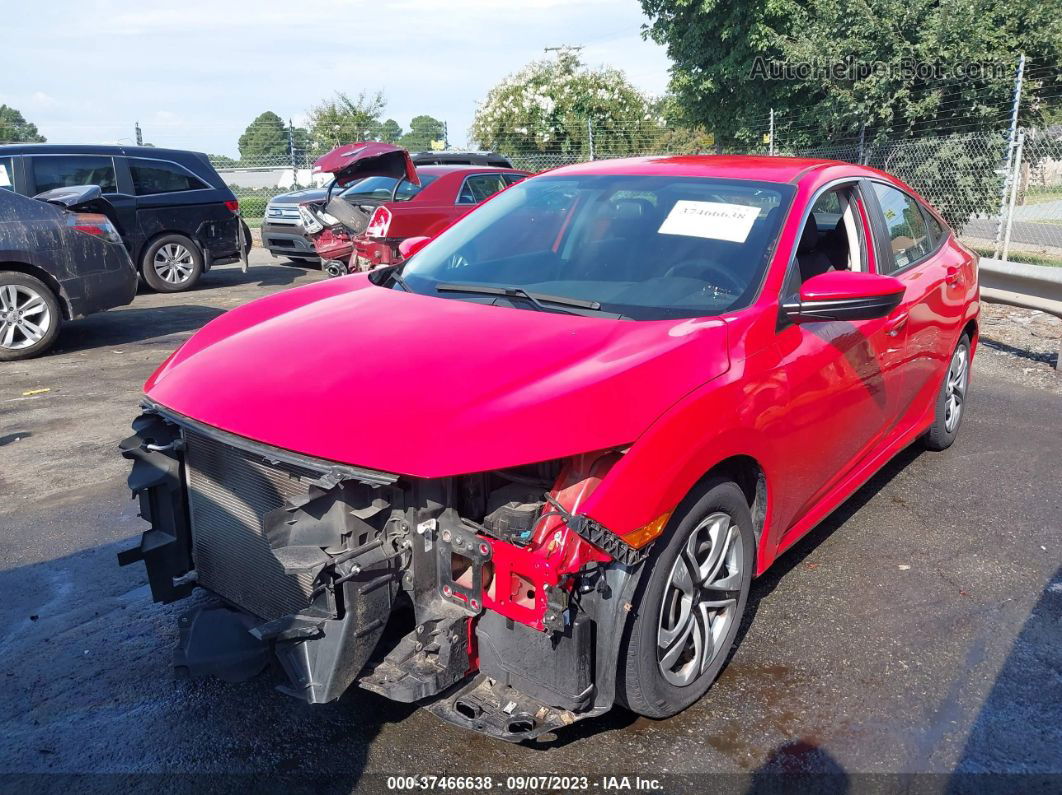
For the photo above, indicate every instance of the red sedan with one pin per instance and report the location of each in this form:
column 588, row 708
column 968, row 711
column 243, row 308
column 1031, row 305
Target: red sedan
column 597, row 407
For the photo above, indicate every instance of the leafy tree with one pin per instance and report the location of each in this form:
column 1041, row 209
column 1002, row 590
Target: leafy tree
column 222, row 161
column 389, row 132
column 266, row 139
column 545, row 107
column 15, row 129
column 422, row 131
column 344, row 120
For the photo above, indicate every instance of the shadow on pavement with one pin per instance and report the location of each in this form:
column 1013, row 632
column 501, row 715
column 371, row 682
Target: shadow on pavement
column 125, row 326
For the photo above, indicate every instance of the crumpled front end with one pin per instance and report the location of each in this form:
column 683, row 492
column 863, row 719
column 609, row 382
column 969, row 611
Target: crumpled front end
column 487, row 598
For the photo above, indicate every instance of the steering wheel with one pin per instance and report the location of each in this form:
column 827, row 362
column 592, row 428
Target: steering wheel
column 708, row 272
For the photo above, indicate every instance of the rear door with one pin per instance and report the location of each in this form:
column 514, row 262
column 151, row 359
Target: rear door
column 912, row 248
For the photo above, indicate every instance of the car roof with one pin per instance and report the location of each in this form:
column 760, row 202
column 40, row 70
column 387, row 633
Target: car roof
column 750, row 167
column 95, row 149
column 438, row 171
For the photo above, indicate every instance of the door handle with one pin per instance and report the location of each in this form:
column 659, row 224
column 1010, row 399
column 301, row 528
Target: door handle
column 953, row 276
column 896, row 324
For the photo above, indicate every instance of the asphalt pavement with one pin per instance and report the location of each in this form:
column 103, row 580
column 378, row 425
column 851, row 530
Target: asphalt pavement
column 916, row 631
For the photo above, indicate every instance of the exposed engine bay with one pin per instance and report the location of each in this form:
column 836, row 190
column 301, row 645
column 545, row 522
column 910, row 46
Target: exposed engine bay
column 487, row 598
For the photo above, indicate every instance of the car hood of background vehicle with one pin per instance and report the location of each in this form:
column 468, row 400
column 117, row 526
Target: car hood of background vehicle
column 431, row 387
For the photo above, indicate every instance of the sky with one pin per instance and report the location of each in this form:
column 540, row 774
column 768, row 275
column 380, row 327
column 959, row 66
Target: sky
column 194, row 73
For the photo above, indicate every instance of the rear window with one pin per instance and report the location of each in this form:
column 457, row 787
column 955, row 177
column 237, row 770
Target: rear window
column 61, row 171
column 380, row 189
column 158, row 176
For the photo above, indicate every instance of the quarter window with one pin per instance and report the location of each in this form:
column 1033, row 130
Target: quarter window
column 157, row 176
column 480, row 187
column 61, row 171
column 7, row 174
column 909, row 238
column 936, row 232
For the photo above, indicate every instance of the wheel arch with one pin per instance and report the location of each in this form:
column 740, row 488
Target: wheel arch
column 149, row 241
column 748, row 474
column 50, row 281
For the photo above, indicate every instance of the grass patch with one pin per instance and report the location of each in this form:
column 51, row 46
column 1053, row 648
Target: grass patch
column 1025, row 257
column 253, row 223
column 1045, row 196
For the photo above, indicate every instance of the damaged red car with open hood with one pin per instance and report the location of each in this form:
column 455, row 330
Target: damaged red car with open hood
column 593, row 409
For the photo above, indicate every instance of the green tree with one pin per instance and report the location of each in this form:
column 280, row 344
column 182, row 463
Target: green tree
column 345, row 120
column 265, row 140
column 545, row 107
column 422, row 131
column 389, row 131
column 15, row 129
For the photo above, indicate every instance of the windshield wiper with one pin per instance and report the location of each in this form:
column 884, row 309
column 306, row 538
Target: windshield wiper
column 399, row 280
column 539, row 300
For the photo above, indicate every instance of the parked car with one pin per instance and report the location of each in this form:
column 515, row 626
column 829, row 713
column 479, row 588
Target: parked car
column 282, row 232
column 596, row 407
column 175, row 214
column 61, row 258
column 390, row 199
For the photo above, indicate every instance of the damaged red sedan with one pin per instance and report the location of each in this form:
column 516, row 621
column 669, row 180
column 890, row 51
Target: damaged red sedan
column 593, row 410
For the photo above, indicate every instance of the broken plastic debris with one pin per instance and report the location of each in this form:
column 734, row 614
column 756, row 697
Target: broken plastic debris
column 36, row 391
column 904, row 567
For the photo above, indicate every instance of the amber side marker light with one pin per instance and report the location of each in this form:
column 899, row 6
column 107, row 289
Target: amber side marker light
column 643, row 535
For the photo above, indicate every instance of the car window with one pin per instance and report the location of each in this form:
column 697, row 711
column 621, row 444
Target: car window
column 60, row 171
column 479, row 187
column 158, row 176
column 381, row 188
column 936, row 231
column 512, row 179
column 908, row 234
column 7, row 173
column 644, row 247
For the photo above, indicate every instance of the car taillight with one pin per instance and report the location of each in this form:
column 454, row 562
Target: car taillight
column 379, row 223
column 94, row 224
column 234, row 206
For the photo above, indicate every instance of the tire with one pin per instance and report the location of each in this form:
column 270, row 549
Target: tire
column 30, row 316
column 172, row 263
column 715, row 512
column 951, row 399
column 248, row 241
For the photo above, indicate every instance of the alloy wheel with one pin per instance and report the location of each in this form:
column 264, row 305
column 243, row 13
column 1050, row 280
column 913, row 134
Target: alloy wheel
column 700, row 600
column 24, row 317
column 955, row 388
column 173, row 263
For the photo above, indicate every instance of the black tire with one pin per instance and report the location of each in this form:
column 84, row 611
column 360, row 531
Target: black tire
column 26, row 305
column 642, row 685
column 172, row 274
column 951, row 400
column 248, row 241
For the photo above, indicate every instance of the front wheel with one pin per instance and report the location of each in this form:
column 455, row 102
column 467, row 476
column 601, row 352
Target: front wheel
column 951, row 399
column 172, row 263
column 689, row 606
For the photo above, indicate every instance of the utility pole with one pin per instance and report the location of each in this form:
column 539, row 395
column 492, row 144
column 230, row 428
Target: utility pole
column 1012, row 142
column 590, row 137
column 139, row 135
column 291, row 152
column 771, row 135
column 862, row 143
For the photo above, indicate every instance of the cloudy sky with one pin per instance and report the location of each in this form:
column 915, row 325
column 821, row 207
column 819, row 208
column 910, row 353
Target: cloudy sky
column 195, row 72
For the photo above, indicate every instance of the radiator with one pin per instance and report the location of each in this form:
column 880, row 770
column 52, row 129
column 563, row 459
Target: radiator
column 229, row 493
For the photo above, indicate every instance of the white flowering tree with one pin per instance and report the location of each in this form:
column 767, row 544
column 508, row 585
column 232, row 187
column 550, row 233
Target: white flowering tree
column 551, row 106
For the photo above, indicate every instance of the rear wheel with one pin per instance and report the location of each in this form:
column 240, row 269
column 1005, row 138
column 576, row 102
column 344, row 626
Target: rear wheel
column 29, row 316
column 951, row 399
column 172, row 263
column 689, row 606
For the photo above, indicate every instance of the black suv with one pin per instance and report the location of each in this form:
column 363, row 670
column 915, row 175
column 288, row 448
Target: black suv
column 177, row 217
column 282, row 231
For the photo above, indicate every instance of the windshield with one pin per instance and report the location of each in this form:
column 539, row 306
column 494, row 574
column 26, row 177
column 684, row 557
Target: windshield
column 644, row 247
column 380, row 188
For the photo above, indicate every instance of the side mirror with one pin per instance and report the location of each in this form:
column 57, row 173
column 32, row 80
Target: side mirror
column 845, row 295
column 411, row 245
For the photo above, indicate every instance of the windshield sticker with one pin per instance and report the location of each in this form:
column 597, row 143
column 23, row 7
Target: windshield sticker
column 714, row 220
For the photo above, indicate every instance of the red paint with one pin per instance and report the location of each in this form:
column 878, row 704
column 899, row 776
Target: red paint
column 461, row 387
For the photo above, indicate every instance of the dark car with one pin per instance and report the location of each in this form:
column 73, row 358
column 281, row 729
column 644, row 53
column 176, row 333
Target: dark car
column 61, row 258
column 282, row 230
column 176, row 216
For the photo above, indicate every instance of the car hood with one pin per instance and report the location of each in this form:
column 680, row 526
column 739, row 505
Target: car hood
column 430, row 387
